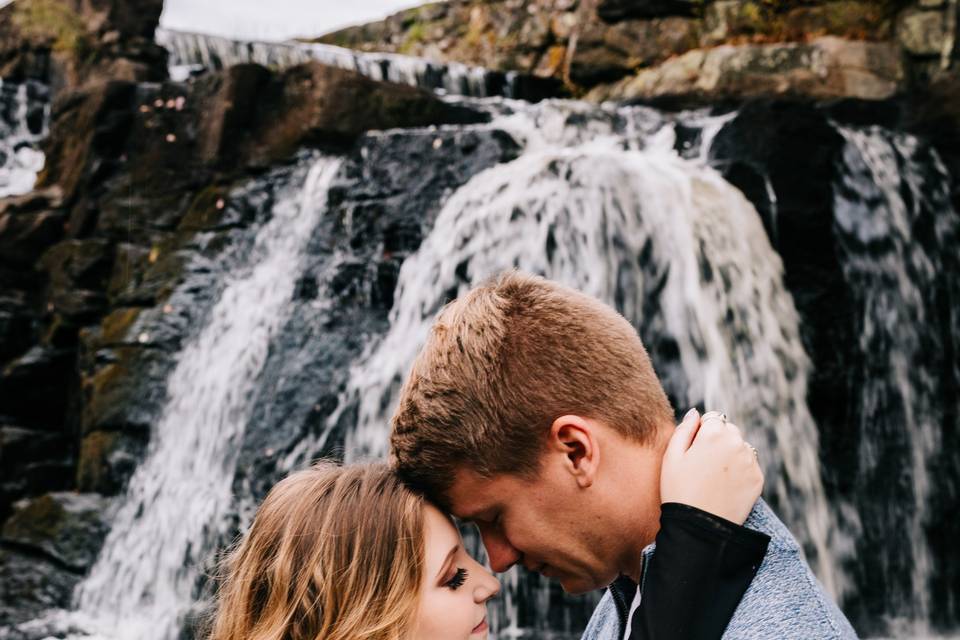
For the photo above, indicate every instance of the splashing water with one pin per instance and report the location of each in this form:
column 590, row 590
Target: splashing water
column 23, row 124
column 681, row 253
column 892, row 263
column 173, row 511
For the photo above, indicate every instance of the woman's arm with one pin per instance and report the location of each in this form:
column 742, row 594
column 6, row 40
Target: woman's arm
column 704, row 562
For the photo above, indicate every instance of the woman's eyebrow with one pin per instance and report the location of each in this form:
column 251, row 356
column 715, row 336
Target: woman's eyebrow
column 446, row 561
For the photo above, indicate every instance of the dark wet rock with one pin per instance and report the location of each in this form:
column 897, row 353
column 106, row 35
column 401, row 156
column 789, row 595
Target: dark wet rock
column 29, row 224
column 125, row 390
column 383, row 202
column 78, row 263
column 24, row 236
column 32, row 462
column 310, row 103
column 45, row 548
column 108, row 459
column 749, row 151
column 86, row 123
column 16, row 319
column 65, row 527
column 616, row 10
column 30, row 584
column 33, row 385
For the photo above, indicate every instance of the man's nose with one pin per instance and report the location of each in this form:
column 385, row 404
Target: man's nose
column 501, row 553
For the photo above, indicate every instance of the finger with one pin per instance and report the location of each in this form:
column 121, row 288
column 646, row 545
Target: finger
column 710, row 415
column 735, row 429
column 685, row 433
column 712, row 423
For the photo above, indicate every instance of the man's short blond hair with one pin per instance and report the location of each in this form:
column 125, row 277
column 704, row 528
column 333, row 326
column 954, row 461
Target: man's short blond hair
column 505, row 360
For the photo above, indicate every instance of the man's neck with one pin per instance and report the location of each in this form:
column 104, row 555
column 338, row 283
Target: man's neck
column 640, row 515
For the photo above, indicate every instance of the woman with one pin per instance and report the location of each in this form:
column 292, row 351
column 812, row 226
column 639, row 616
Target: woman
column 350, row 553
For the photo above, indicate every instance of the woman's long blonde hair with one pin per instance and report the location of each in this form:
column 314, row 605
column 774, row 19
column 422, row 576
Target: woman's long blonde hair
column 334, row 553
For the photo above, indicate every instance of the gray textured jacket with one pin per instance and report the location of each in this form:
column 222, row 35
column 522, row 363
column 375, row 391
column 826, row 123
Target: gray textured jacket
column 784, row 602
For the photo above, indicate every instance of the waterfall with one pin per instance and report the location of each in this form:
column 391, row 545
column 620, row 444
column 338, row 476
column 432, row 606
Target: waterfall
column 623, row 204
column 24, row 119
column 191, row 52
column 895, row 221
column 669, row 243
column 176, row 502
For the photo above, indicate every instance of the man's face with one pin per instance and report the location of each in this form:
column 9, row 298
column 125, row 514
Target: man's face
column 548, row 525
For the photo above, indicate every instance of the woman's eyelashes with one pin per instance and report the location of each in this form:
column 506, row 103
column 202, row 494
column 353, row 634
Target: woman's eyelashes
column 457, row 580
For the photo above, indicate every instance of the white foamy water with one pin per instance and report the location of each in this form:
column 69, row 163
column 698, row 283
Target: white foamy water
column 191, row 51
column 21, row 157
column 884, row 192
column 627, row 221
column 173, row 511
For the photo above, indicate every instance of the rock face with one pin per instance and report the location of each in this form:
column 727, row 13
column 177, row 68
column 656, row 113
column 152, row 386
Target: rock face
column 47, row 545
column 616, row 10
column 826, row 69
column 70, row 42
column 611, row 49
column 115, row 208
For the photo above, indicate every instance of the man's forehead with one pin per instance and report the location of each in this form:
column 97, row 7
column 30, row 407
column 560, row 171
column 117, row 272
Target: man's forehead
column 470, row 494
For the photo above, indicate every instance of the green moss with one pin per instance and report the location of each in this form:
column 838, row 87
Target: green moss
column 416, row 34
column 789, row 20
column 203, row 212
column 93, row 467
column 53, row 19
column 106, row 389
column 41, row 519
column 116, row 326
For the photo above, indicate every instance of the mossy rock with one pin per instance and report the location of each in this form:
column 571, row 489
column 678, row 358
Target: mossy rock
column 65, row 526
column 108, row 459
column 116, row 326
column 415, row 36
column 127, row 392
column 55, row 21
column 207, row 210
column 78, row 263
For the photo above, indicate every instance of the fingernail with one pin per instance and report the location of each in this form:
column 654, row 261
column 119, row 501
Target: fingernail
column 693, row 414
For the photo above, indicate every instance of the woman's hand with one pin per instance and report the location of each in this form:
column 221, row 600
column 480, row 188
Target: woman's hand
column 708, row 465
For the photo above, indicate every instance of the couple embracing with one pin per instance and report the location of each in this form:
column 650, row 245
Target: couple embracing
column 534, row 412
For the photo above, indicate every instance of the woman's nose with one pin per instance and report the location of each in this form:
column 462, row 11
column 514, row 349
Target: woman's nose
column 487, row 587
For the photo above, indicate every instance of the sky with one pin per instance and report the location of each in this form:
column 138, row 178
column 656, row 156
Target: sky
column 274, row 19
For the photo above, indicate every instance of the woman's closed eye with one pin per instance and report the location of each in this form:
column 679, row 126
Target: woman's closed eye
column 457, row 580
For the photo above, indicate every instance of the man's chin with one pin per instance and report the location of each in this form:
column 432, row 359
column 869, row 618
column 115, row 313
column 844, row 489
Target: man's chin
column 576, row 585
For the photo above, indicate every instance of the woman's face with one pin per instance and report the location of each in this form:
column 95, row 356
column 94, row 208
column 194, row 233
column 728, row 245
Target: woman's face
column 455, row 587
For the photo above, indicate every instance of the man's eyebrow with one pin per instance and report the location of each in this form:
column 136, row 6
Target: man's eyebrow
column 446, row 561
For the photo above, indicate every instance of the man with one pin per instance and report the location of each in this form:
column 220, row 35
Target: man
column 534, row 411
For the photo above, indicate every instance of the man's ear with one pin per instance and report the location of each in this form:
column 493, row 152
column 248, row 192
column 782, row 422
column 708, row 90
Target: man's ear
column 575, row 438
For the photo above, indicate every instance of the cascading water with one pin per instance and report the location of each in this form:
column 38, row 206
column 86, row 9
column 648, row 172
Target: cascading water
column 621, row 203
column 24, row 118
column 190, row 52
column 894, row 220
column 676, row 249
column 174, row 511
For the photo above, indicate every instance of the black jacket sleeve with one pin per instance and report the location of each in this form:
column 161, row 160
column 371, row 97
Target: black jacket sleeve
column 693, row 583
